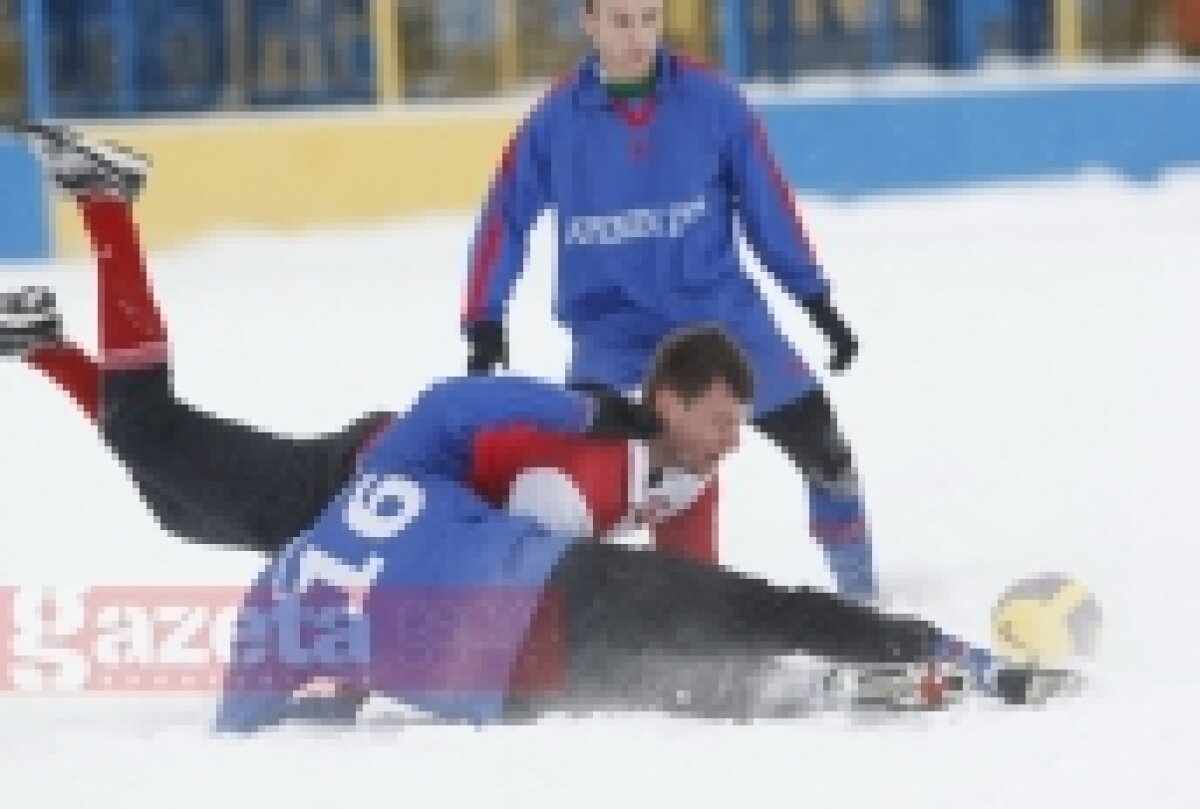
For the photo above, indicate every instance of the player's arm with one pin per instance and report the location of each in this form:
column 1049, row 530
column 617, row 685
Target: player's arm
column 437, row 434
column 775, row 228
column 518, row 194
column 510, row 400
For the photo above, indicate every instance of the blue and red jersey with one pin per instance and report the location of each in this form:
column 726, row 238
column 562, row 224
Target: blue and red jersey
column 522, row 445
column 648, row 194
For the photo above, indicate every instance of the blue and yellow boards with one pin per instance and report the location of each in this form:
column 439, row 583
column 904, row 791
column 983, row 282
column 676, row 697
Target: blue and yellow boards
column 299, row 171
column 228, row 158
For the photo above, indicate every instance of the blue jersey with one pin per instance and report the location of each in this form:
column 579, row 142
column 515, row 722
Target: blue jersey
column 648, row 195
column 436, row 436
column 409, row 584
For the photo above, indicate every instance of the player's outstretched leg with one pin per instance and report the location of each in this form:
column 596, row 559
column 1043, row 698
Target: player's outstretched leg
column 104, row 178
column 645, row 630
column 132, row 334
column 642, row 630
column 207, row 479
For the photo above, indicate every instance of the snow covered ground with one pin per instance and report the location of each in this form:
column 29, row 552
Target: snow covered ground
column 1023, row 403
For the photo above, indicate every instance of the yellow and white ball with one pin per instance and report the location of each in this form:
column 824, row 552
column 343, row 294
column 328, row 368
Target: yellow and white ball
column 1048, row 619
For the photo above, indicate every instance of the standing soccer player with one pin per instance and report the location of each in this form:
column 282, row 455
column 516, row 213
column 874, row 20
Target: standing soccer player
column 650, row 159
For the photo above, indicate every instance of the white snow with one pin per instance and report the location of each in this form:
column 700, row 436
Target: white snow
column 1023, row 403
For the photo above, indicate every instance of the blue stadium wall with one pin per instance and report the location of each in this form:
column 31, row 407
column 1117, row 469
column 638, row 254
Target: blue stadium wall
column 869, row 145
column 376, row 164
column 24, row 212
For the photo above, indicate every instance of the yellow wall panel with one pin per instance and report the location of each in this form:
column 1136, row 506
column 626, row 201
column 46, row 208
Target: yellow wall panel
column 298, row 173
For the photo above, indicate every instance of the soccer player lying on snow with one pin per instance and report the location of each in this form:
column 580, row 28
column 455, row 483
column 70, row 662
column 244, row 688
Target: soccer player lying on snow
column 478, row 505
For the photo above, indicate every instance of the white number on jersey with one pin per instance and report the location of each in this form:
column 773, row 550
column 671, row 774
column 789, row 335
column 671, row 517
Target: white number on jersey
column 366, row 513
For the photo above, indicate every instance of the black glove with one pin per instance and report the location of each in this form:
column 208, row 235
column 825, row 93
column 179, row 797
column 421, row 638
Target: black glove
column 841, row 338
column 489, row 346
column 614, row 416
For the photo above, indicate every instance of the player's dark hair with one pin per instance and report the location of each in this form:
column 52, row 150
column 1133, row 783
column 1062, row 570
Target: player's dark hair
column 689, row 362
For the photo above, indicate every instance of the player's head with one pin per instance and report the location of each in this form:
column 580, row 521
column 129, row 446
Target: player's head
column 700, row 386
column 625, row 33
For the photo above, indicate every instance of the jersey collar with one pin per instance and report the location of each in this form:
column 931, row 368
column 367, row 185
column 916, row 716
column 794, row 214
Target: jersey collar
column 676, row 491
column 591, row 89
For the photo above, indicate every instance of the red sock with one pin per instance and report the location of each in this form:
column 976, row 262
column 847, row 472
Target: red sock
column 74, row 371
column 132, row 332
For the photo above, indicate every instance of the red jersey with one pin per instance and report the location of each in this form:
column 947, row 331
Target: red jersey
column 588, row 486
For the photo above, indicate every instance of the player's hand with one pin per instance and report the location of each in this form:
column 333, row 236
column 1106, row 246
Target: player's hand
column 842, row 340
column 489, row 346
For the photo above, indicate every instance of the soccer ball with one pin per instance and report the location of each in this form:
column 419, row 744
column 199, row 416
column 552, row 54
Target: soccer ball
column 1048, row 620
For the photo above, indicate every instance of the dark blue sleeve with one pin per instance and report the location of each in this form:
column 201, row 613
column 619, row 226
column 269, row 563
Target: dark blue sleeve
column 475, row 403
column 767, row 204
column 435, row 436
column 518, row 194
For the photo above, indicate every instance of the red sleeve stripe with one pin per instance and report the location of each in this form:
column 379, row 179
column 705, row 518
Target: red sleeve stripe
column 491, row 240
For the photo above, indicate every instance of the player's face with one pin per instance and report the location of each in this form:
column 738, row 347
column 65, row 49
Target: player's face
column 626, row 34
column 699, row 433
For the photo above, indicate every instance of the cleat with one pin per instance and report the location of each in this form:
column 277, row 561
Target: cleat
column 1028, row 685
column 81, row 166
column 29, row 320
column 338, row 709
column 922, row 686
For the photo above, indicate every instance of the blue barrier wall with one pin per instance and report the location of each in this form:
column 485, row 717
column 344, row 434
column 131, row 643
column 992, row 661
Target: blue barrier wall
column 24, row 214
column 852, row 146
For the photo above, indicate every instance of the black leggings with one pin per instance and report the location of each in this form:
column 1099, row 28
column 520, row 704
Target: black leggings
column 221, row 482
column 643, row 628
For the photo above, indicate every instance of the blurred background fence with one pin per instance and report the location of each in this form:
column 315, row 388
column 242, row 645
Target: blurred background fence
column 120, row 58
